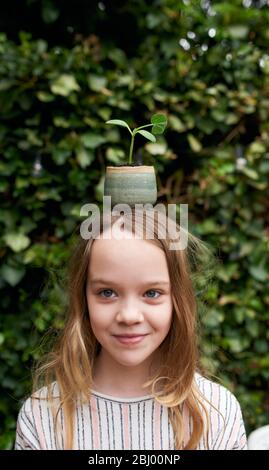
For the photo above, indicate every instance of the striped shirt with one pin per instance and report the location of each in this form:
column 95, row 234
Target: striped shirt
column 107, row 422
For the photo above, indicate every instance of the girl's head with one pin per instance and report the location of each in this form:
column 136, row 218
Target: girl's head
column 114, row 283
column 128, row 293
column 132, row 286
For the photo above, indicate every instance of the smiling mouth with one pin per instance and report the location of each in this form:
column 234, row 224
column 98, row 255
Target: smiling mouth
column 131, row 336
column 129, row 339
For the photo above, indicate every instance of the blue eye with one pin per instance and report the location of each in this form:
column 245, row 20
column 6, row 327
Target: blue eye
column 105, row 290
column 110, row 290
column 156, row 292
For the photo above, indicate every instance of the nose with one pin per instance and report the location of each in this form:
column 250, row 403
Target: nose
column 129, row 313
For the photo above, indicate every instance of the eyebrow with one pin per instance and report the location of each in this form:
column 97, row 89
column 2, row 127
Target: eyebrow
column 107, row 282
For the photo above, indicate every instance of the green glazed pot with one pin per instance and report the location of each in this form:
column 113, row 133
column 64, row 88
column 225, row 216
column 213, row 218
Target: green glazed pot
column 131, row 185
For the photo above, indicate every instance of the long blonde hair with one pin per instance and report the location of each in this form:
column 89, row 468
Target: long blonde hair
column 71, row 361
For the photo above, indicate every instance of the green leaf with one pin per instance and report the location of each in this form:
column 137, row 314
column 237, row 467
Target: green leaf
column 12, row 275
column 249, row 172
column 2, row 339
column 92, row 141
column 84, row 157
column 160, row 123
column 194, row 143
column 261, row 346
column 115, row 155
column 257, row 147
column 96, row 83
column 218, row 114
column 60, row 155
column 64, row 85
column 264, row 167
column 104, row 113
column 252, row 327
column 239, row 31
column 176, row 123
column 48, row 193
column 159, row 119
column 17, row 241
column 264, row 362
column 157, row 148
column 44, row 96
column 259, row 273
column 235, row 345
column 147, row 135
column 153, row 20
column 228, row 272
column 118, row 56
column 231, row 118
column 59, row 121
column 5, row 84
column 118, row 122
column 213, row 318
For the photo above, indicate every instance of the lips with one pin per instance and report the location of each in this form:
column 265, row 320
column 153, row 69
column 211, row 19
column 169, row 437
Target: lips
column 130, row 339
column 135, row 335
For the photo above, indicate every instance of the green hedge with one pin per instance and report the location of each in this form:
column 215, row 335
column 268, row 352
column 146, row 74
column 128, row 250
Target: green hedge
column 207, row 68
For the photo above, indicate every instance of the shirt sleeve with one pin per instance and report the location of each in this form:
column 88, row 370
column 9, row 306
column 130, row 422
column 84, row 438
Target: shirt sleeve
column 240, row 440
column 26, row 434
column 233, row 433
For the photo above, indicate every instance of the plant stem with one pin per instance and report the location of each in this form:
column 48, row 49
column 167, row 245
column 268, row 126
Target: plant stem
column 142, row 127
column 131, row 149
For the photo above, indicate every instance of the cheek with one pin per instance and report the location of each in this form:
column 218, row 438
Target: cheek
column 99, row 326
column 165, row 325
column 163, row 318
column 98, row 315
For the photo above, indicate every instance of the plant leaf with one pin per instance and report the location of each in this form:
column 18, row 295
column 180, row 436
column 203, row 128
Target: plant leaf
column 158, row 148
column 17, row 241
column 147, row 135
column 118, row 122
column 195, row 145
column 160, row 123
column 238, row 31
column 91, row 140
column 159, row 119
column 64, row 85
column 96, row 83
column 259, row 272
column 12, row 275
column 84, row 157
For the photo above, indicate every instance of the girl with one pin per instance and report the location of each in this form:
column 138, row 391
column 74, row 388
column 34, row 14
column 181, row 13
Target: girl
column 124, row 373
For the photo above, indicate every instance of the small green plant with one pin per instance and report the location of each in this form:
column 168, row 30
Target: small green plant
column 158, row 123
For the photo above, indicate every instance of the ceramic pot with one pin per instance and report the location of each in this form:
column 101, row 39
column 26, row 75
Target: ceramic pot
column 131, row 184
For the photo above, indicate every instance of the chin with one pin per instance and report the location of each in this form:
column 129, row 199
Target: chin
column 130, row 362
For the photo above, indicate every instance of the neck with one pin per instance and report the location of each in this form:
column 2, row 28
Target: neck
column 116, row 379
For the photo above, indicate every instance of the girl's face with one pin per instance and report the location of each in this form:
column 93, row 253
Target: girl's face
column 128, row 293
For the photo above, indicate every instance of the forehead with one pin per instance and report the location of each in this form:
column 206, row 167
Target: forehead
column 127, row 258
